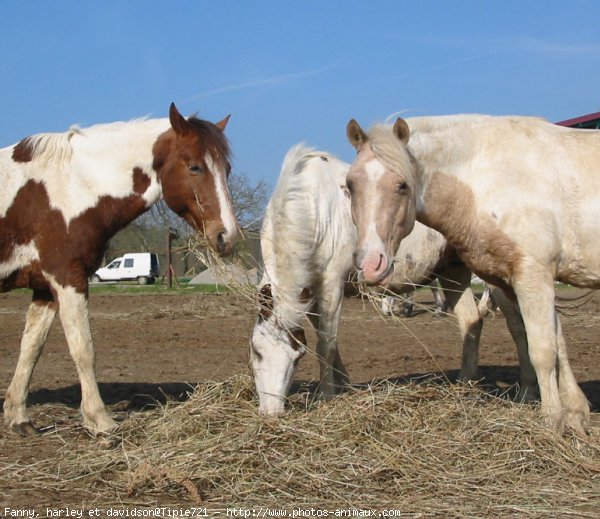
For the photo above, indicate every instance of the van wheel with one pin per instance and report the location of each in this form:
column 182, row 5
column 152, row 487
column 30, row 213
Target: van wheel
column 95, row 279
column 143, row 280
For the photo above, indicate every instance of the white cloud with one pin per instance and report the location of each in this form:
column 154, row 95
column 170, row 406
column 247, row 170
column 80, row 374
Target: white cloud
column 269, row 81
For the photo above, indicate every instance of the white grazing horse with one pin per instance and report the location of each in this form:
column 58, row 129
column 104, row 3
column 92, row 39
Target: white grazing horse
column 307, row 241
column 517, row 197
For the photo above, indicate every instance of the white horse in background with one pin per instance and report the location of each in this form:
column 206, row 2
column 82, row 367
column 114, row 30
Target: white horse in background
column 307, row 241
column 517, row 197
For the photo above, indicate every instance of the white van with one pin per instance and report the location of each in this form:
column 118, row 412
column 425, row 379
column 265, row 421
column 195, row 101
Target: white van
column 142, row 266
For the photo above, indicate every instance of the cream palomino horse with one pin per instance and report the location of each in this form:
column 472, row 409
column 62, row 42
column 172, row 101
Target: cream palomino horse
column 307, row 241
column 517, row 197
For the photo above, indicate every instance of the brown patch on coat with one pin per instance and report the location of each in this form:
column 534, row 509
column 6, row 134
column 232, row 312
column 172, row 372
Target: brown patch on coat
column 69, row 253
column 476, row 237
column 298, row 339
column 297, row 336
column 23, row 151
column 265, row 303
column 43, row 298
column 305, row 296
column 141, row 181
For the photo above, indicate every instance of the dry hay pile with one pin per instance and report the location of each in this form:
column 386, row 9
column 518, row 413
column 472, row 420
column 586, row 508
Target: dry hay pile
column 427, row 449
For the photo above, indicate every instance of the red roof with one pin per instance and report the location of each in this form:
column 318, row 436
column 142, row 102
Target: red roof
column 580, row 120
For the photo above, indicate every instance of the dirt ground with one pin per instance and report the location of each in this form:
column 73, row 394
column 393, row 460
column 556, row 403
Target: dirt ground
column 152, row 346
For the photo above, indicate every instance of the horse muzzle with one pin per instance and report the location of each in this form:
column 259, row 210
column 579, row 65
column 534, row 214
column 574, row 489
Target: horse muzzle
column 223, row 241
column 374, row 268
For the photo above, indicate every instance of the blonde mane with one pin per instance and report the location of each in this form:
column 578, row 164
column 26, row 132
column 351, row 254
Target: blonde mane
column 295, row 227
column 56, row 149
column 51, row 148
column 392, row 152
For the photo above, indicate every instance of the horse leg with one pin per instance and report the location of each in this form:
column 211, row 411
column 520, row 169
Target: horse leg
column 482, row 306
column 388, row 303
column 573, row 400
column 535, row 295
column 456, row 284
column 38, row 320
column 408, row 304
column 528, row 389
column 441, row 306
column 73, row 309
column 326, row 322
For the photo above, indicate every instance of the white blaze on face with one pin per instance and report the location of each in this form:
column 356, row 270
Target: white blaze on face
column 224, row 197
column 375, row 171
column 371, row 247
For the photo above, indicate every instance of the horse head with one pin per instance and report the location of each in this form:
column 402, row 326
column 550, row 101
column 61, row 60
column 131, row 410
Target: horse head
column 382, row 187
column 275, row 350
column 192, row 161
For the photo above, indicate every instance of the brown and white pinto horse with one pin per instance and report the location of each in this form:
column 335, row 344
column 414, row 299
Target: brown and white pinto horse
column 517, row 197
column 65, row 195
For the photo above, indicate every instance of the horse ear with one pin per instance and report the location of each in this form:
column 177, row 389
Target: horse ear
column 355, row 134
column 401, row 130
column 221, row 124
column 178, row 122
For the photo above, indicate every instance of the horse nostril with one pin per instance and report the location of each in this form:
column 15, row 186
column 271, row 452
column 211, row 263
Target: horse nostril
column 221, row 245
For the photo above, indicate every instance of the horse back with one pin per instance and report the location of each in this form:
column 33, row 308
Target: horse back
column 41, row 234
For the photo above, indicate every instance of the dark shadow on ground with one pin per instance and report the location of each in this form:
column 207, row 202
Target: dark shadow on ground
column 496, row 380
column 126, row 396
column 499, row 381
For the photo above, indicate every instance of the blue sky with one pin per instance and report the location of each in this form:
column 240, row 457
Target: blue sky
column 291, row 71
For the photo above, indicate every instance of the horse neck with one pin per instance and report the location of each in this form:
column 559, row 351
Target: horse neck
column 123, row 146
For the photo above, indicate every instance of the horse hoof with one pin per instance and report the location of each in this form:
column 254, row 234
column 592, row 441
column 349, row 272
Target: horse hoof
column 26, row 429
column 107, row 442
column 577, row 422
column 103, row 426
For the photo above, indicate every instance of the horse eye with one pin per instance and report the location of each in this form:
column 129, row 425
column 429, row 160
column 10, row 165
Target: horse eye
column 195, row 168
column 350, row 186
column 402, row 188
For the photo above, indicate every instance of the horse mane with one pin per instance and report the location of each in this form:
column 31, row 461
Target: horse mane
column 49, row 148
column 213, row 138
column 295, row 226
column 56, row 149
column 442, row 123
column 391, row 151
